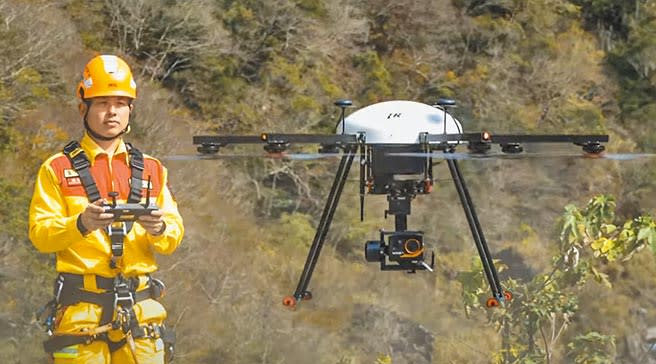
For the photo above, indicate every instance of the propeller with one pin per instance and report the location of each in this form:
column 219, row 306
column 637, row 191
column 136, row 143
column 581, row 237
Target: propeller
column 525, row 155
column 434, row 155
column 282, row 156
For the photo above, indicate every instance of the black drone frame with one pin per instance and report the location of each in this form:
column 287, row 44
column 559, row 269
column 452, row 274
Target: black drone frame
column 399, row 197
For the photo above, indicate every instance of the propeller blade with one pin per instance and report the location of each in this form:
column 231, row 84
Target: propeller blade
column 525, row 155
column 628, row 156
column 283, row 156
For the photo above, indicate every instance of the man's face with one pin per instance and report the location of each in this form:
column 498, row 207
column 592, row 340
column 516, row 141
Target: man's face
column 109, row 115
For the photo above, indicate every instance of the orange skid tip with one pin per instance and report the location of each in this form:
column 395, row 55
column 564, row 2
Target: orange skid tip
column 289, row 302
column 264, row 137
column 507, row 295
column 307, row 296
column 428, row 186
column 492, row 302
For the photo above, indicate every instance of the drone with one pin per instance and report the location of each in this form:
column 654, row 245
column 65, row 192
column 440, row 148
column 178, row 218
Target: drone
column 395, row 143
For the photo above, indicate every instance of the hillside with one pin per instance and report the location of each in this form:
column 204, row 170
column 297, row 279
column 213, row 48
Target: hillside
column 203, row 67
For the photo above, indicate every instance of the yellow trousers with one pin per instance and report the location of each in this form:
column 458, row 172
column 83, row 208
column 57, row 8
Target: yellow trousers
column 148, row 351
column 86, row 316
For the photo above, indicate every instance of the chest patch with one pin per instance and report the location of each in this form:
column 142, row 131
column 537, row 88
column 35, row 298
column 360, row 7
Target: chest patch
column 73, row 181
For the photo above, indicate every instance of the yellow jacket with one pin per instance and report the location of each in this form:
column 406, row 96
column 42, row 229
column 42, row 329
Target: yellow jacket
column 59, row 198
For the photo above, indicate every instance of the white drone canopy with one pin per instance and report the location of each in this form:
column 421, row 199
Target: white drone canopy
column 399, row 122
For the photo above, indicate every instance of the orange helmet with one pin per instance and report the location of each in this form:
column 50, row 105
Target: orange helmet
column 107, row 76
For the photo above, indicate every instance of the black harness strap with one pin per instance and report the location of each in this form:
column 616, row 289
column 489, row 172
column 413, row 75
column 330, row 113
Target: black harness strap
column 153, row 331
column 58, row 342
column 117, row 233
column 136, row 178
column 117, row 236
column 81, row 164
column 69, row 290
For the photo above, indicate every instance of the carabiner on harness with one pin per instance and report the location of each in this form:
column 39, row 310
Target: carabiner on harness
column 46, row 316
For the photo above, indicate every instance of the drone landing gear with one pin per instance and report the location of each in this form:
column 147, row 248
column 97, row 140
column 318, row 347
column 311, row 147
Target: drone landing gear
column 493, row 302
column 301, row 292
column 498, row 294
column 290, row 301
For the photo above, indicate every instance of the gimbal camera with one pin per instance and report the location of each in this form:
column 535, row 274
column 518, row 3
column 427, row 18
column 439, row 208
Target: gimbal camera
column 406, row 248
column 400, row 249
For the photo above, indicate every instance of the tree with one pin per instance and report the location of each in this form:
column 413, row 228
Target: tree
column 533, row 323
column 167, row 39
column 27, row 59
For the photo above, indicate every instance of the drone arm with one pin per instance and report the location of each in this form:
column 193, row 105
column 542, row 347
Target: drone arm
column 477, row 231
column 486, row 137
column 275, row 139
column 322, row 229
column 511, row 143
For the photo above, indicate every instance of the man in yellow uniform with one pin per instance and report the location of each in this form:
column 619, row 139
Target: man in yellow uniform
column 105, row 210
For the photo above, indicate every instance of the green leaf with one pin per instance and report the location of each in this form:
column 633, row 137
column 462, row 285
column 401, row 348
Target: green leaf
column 646, row 233
column 608, row 228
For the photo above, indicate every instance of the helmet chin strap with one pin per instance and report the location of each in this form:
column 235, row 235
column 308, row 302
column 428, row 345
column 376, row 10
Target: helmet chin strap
column 98, row 136
column 102, row 137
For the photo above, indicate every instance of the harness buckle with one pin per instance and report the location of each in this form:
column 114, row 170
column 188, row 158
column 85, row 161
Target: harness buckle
column 116, row 236
column 123, row 293
column 155, row 331
column 113, row 230
column 75, row 152
column 79, row 163
column 71, row 146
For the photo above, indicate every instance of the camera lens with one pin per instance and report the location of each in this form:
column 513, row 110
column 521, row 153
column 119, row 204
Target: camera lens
column 372, row 251
column 412, row 246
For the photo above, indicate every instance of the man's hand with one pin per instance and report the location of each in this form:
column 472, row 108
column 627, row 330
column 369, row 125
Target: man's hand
column 94, row 217
column 153, row 223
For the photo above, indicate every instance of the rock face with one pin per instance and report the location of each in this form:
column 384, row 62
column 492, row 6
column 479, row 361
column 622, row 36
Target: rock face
column 642, row 348
column 407, row 342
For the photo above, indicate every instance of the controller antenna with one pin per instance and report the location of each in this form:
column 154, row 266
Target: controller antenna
column 113, row 195
column 147, row 203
